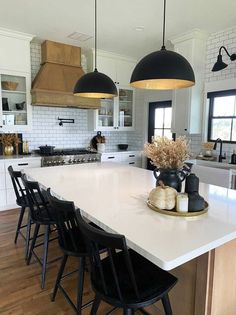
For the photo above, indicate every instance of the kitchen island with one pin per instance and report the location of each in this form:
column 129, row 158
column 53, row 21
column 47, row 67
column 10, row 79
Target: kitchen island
column 199, row 250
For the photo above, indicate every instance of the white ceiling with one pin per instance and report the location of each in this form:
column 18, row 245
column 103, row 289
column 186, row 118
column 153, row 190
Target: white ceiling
column 56, row 19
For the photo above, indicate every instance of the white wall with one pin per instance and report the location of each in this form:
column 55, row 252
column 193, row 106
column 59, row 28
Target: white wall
column 220, row 80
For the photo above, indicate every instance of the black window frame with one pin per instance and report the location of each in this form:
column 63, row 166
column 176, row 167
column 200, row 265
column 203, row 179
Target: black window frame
column 211, row 96
column 151, row 122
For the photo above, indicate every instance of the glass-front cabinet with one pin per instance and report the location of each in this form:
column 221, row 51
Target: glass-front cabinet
column 15, row 99
column 117, row 113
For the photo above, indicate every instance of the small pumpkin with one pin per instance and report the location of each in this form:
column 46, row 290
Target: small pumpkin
column 163, row 197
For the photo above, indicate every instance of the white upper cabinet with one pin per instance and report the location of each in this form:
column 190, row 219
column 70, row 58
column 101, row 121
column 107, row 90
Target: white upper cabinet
column 115, row 114
column 187, row 103
column 15, row 77
column 15, row 51
column 118, row 68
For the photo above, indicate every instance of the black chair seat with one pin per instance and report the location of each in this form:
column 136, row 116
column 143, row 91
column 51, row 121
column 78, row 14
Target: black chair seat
column 151, row 280
column 44, row 216
column 73, row 243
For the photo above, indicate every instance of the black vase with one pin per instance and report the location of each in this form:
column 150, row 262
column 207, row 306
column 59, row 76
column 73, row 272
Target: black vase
column 191, row 184
column 170, row 177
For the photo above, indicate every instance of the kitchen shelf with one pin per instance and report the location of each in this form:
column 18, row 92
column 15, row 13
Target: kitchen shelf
column 100, row 115
column 13, row 92
column 8, row 112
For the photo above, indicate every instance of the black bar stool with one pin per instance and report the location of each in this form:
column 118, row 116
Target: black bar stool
column 124, row 278
column 42, row 215
column 71, row 243
column 21, row 201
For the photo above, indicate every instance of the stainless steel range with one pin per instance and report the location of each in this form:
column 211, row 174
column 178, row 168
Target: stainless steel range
column 70, row 156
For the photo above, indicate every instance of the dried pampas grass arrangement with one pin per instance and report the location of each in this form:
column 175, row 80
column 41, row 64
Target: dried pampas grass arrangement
column 167, row 154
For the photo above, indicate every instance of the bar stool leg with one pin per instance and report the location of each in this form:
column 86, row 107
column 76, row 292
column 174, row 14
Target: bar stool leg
column 128, row 311
column 22, row 211
column 80, row 285
column 45, row 255
column 27, row 239
column 166, row 304
column 37, row 226
column 59, row 275
column 95, row 306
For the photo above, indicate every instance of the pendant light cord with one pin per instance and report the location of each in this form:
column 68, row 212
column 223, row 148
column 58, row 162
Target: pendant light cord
column 95, row 31
column 164, row 27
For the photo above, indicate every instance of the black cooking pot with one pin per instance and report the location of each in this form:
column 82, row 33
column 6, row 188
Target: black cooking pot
column 46, row 149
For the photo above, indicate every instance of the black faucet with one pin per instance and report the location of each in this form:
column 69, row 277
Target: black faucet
column 221, row 157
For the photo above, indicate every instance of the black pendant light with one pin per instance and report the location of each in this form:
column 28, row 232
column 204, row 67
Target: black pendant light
column 95, row 84
column 163, row 69
column 220, row 65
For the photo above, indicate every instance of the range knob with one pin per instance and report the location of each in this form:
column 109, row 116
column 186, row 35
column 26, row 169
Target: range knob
column 95, row 159
column 89, row 159
column 79, row 161
column 82, row 160
column 74, row 161
column 69, row 161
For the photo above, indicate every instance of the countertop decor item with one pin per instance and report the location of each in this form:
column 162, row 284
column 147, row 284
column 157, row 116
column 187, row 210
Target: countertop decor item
column 46, row 149
column 191, row 183
column 195, row 202
column 220, row 65
column 9, row 141
column 163, row 197
column 163, row 69
column 169, row 156
column 9, row 85
column 95, row 84
column 123, row 146
column 182, row 203
column 97, row 139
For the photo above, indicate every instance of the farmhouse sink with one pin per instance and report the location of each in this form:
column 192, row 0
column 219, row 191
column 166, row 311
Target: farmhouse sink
column 225, row 166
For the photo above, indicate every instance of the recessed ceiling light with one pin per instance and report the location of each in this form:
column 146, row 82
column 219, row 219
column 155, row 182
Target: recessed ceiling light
column 79, row 36
column 139, row 28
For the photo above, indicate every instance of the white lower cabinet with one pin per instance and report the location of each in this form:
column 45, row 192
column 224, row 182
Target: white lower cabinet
column 3, row 199
column 7, row 193
column 132, row 158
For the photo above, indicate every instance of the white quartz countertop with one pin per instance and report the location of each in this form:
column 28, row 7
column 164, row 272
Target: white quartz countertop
column 114, row 197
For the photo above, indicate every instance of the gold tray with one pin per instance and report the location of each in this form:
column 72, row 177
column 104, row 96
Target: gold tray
column 178, row 214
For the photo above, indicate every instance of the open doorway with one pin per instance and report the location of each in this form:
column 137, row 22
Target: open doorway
column 159, row 122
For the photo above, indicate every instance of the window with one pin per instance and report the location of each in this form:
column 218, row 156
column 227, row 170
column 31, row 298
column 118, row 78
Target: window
column 159, row 120
column 222, row 116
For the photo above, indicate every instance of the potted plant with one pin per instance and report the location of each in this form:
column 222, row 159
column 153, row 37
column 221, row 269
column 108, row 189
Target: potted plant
column 169, row 157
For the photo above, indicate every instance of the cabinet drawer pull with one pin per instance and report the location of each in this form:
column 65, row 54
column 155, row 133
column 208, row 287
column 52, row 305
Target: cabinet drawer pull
column 23, row 164
column 131, row 162
column 111, row 157
column 132, row 155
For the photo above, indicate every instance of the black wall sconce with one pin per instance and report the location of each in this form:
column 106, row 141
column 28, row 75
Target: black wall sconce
column 65, row 121
column 220, row 65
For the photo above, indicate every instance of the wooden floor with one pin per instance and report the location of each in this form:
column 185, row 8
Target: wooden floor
column 20, row 292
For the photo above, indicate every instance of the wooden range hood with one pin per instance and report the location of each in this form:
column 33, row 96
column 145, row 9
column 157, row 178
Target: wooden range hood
column 55, row 81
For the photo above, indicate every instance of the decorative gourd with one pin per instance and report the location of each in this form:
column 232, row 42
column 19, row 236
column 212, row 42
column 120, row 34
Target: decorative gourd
column 163, row 197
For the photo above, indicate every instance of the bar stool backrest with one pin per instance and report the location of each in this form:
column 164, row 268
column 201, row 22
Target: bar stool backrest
column 20, row 193
column 114, row 243
column 37, row 203
column 70, row 236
